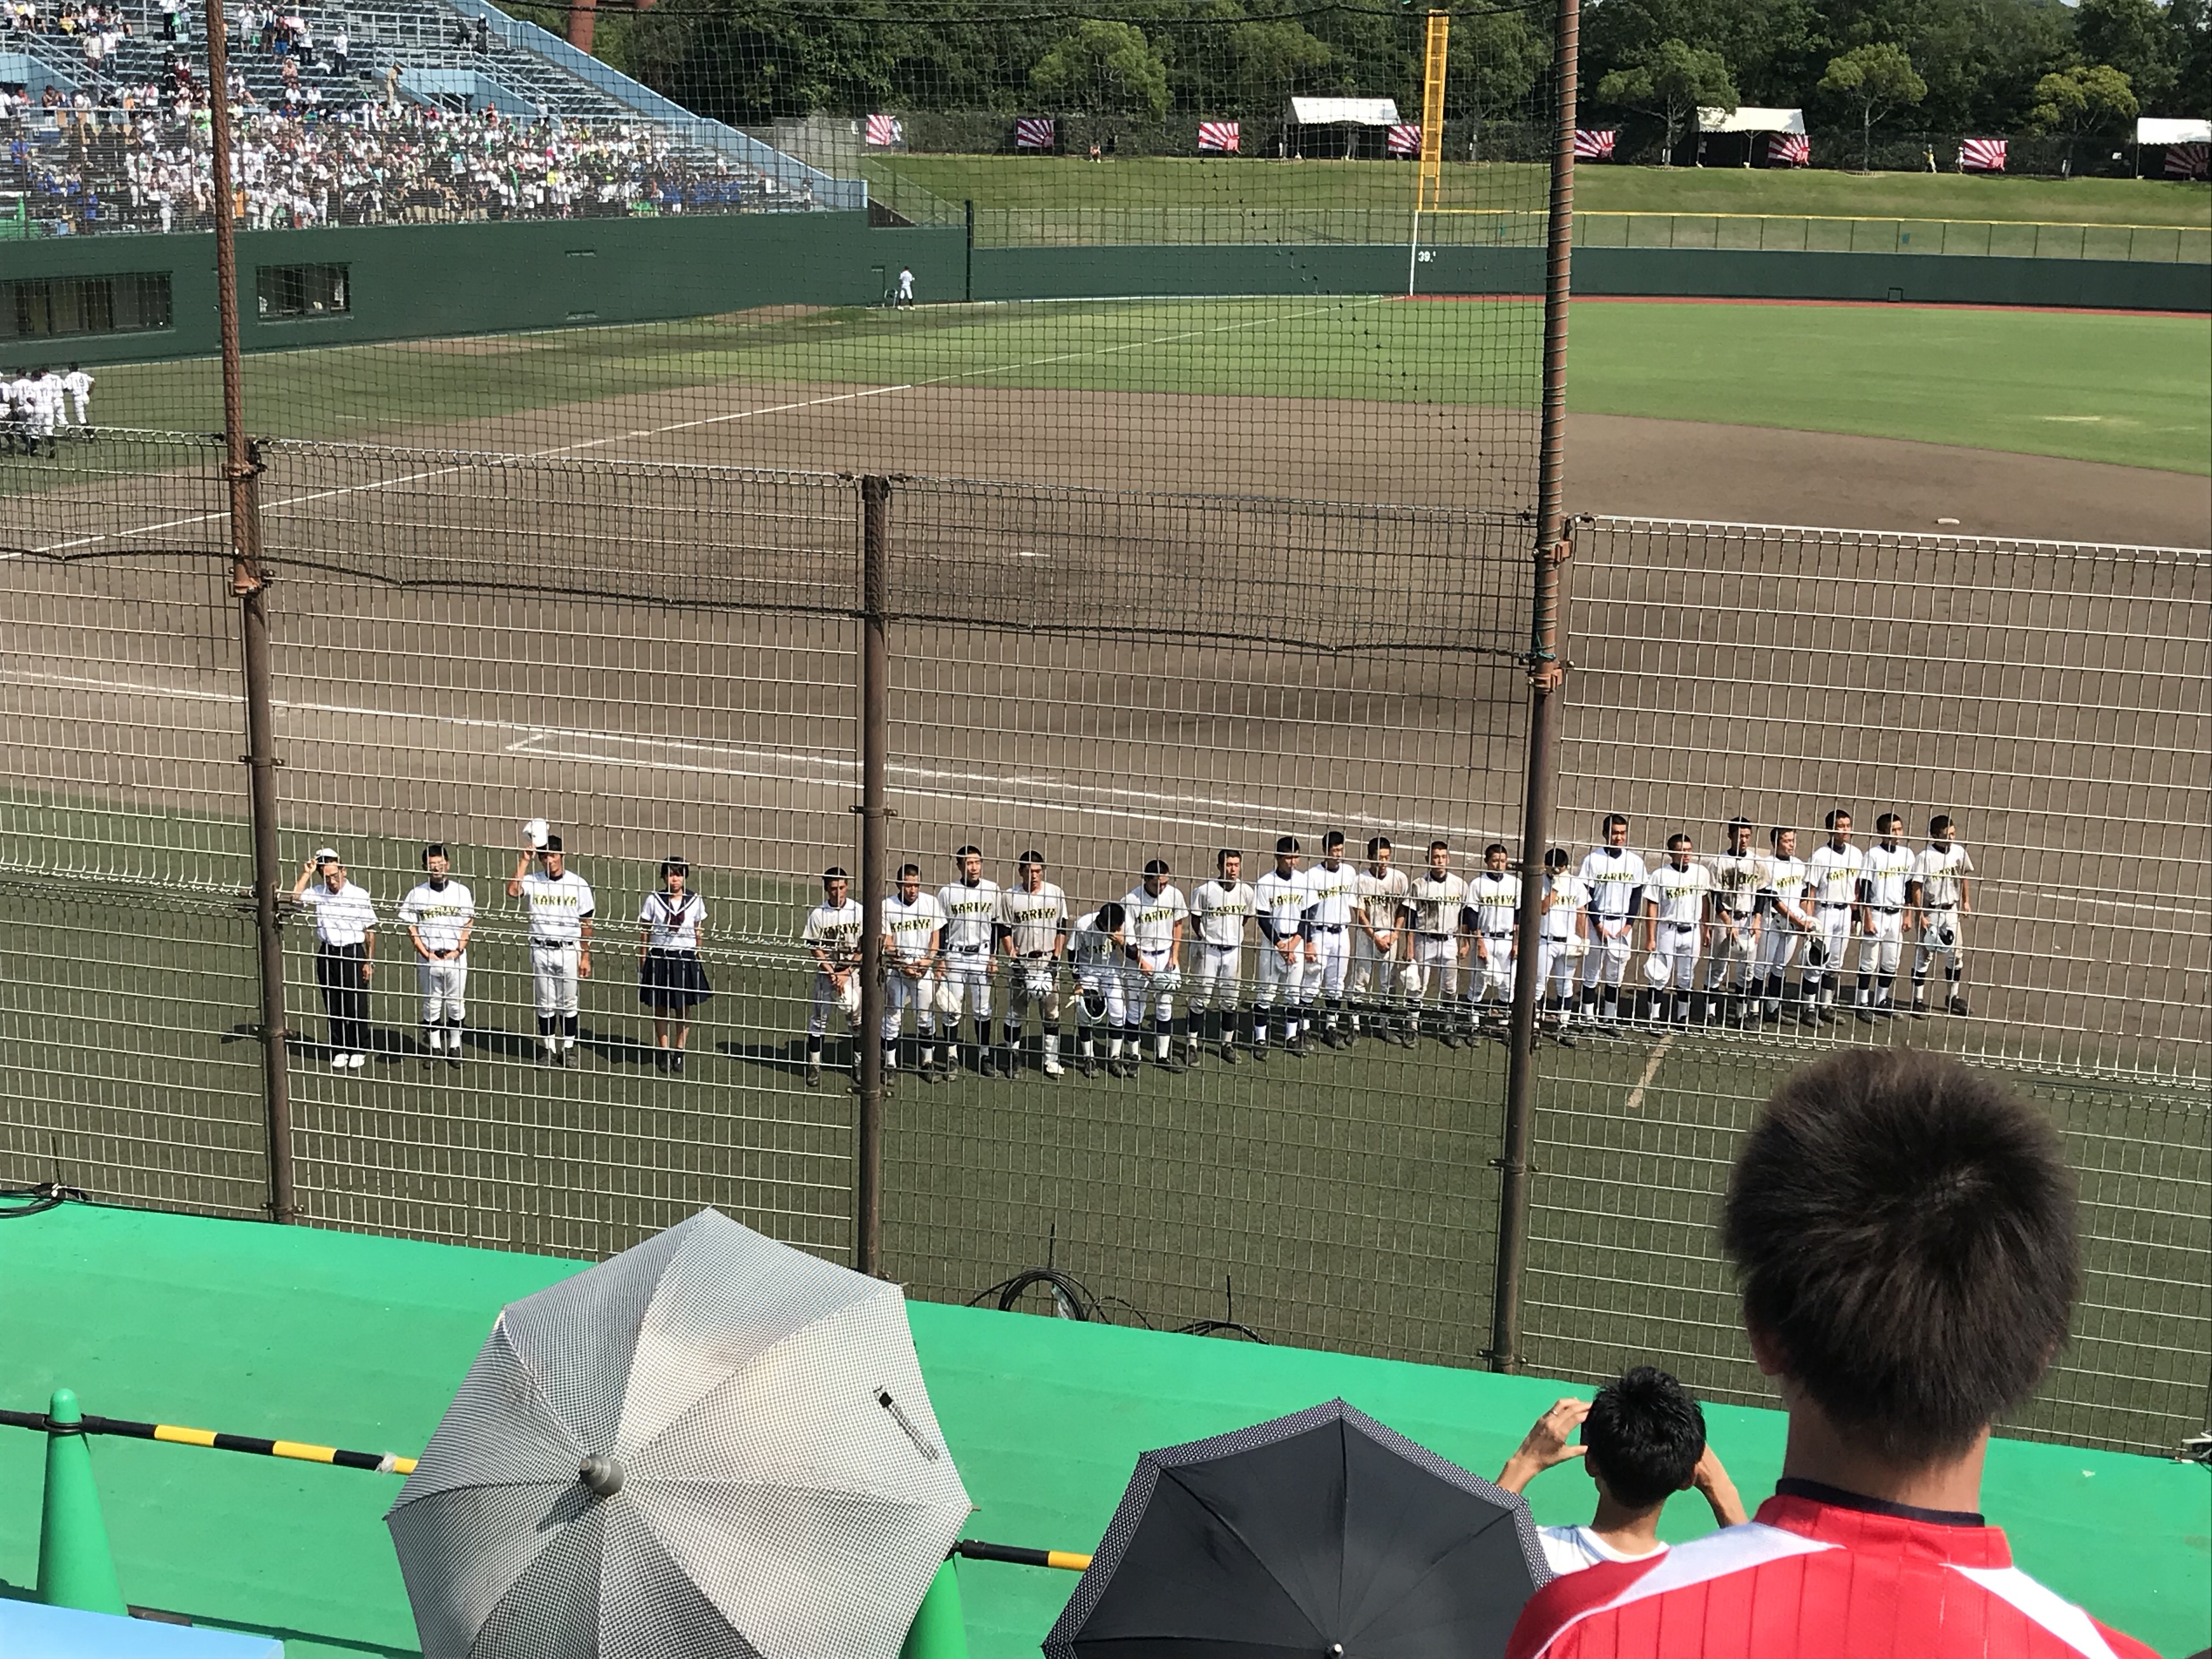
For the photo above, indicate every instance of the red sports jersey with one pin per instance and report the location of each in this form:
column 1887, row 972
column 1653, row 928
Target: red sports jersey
column 1813, row 1578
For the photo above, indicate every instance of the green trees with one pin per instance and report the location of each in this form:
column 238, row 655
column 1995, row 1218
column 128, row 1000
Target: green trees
column 2082, row 99
column 1103, row 68
column 1873, row 79
column 1670, row 80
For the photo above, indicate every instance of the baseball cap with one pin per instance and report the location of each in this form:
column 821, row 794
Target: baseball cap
column 327, row 855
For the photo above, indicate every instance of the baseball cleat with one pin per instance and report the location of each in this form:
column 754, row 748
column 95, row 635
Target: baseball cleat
column 337, row 1062
column 1229, row 1054
column 1085, row 1065
column 1958, row 1004
column 1450, row 1039
column 1175, row 1063
column 1053, row 1069
column 813, row 1077
column 1295, row 1047
column 1260, row 1051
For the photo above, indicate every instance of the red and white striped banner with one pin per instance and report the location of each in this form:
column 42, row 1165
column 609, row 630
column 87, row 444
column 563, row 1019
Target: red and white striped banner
column 1404, row 139
column 885, row 131
column 1595, row 144
column 2189, row 161
column 1220, row 137
column 1788, row 149
column 1033, row 132
column 1982, row 155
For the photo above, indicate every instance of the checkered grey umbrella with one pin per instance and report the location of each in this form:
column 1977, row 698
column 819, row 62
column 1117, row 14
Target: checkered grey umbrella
column 710, row 1447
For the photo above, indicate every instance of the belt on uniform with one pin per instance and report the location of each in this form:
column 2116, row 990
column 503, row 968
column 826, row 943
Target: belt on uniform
column 1844, row 904
column 1328, row 927
column 1952, row 906
column 1889, row 910
column 552, row 943
column 1212, row 945
column 1680, row 927
column 1497, row 933
column 967, row 950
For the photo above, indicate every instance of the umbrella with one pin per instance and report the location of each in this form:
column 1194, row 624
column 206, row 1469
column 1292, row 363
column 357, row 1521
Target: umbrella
column 1322, row 1535
column 711, row 1446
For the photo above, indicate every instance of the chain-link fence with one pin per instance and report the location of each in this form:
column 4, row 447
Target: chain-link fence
column 665, row 660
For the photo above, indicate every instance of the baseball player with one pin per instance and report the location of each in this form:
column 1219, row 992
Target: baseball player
column 78, row 386
column 833, row 940
column 1032, row 930
column 558, row 902
column 913, row 936
column 1333, row 890
column 1099, row 949
column 1674, row 929
column 1155, row 912
column 971, row 903
column 1941, row 877
column 671, row 981
column 1833, row 874
column 440, row 914
column 1561, row 934
column 345, row 953
column 1436, row 898
column 1377, row 944
column 1219, row 911
column 1489, row 925
column 1282, row 899
column 1738, row 875
column 1615, row 878
column 1786, row 914
column 1885, row 884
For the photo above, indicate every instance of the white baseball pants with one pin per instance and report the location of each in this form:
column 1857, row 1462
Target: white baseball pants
column 1216, row 975
column 1437, row 955
column 553, row 969
column 900, row 990
column 1880, row 949
column 1555, row 969
column 1678, row 948
column 1152, row 994
column 1777, row 944
column 442, row 984
column 1033, row 982
column 1832, row 926
column 1279, row 980
column 1373, row 974
column 968, row 974
column 1930, row 949
column 1609, row 952
column 1326, row 976
column 826, row 999
column 1102, row 999
column 1490, row 966
column 1735, row 949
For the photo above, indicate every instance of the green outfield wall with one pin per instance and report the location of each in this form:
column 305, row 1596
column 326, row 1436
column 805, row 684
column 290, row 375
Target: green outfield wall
column 414, row 281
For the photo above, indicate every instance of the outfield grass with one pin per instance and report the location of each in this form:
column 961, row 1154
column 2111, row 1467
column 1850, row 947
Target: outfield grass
column 1153, row 182
column 2128, row 389
column 2131, row 389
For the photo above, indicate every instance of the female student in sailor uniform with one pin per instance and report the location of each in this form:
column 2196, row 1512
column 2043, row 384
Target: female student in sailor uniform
column 671, row 924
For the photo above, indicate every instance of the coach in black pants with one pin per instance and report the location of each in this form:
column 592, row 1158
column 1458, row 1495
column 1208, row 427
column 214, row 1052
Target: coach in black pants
column 345, row 951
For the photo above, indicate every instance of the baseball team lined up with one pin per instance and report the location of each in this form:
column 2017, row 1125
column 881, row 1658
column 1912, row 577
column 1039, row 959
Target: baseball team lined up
column 1337, row 950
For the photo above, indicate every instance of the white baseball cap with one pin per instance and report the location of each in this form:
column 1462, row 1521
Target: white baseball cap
column 327, row 855
column 536, row 830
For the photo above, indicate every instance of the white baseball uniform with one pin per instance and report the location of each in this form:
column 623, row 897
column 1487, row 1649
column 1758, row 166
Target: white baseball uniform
column 1219, row 912
column 440, row 916
column 1436, row 902
column 1283, row 902
column 1615, row 876
column 1492, row 908
column 834, row 930
column 1098, row 973
column 78, row 385
column 1382, row 910
column 1832, row 875
column 1786, row 918
column 1677, row 894
column 1889, row 867
column 1737, row 879
column 1942, row 872
column 971, row 917
column 1153, row 977
column 1334, row 896
column 1566, row 895
column 1031, row 924
column 911, row 932
column 557, row 906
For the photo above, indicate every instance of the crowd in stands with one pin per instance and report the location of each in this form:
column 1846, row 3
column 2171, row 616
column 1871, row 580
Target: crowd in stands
column 325, row 139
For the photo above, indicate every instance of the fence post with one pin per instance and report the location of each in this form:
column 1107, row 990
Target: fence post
column 242, row 471
column 874, row 809
column 968, row 266
column 1547, row 678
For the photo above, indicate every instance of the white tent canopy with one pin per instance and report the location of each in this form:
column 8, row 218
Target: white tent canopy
column 1356, row 111
column 1747, row 119
column 2154, row 130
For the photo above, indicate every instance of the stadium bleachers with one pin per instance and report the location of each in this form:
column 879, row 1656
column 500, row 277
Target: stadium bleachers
column 403, row 127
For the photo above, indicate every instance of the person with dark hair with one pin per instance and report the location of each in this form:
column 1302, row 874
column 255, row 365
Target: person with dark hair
column 1903, row 1232
column 1644, row 1440
column 672, row 925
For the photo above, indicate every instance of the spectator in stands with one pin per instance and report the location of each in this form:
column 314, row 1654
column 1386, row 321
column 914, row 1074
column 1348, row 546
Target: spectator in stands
column 340, row 52
column 1644, row 1440
column 1903, row 1229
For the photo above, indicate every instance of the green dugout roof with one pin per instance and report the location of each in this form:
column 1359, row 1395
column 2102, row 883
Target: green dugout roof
column 357, row 1342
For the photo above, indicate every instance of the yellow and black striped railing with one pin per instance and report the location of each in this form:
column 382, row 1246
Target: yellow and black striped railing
column 298, row 1450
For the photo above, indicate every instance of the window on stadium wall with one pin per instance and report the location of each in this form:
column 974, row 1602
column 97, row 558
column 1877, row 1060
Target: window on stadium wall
column 282, row 291
column 51, row 308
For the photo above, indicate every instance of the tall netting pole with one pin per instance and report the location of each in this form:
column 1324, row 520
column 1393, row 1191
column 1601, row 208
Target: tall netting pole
column 1547, row 681
column 241, row 467
column 1429, row 181
column 874, row 809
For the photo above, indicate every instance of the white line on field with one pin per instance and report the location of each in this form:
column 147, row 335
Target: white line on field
column 719, row 420
column 1650, row 1071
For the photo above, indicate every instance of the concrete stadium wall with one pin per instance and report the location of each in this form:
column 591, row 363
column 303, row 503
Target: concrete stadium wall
column 426, row 280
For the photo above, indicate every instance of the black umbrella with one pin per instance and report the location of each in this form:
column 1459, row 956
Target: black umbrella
column 1319, row 1535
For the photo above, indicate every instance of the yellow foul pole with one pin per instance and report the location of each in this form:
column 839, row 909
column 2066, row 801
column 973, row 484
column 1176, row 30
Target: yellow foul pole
column 1429, row 183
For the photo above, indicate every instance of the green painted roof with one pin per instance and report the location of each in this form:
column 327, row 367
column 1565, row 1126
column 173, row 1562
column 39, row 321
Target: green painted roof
column 358, row 1341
